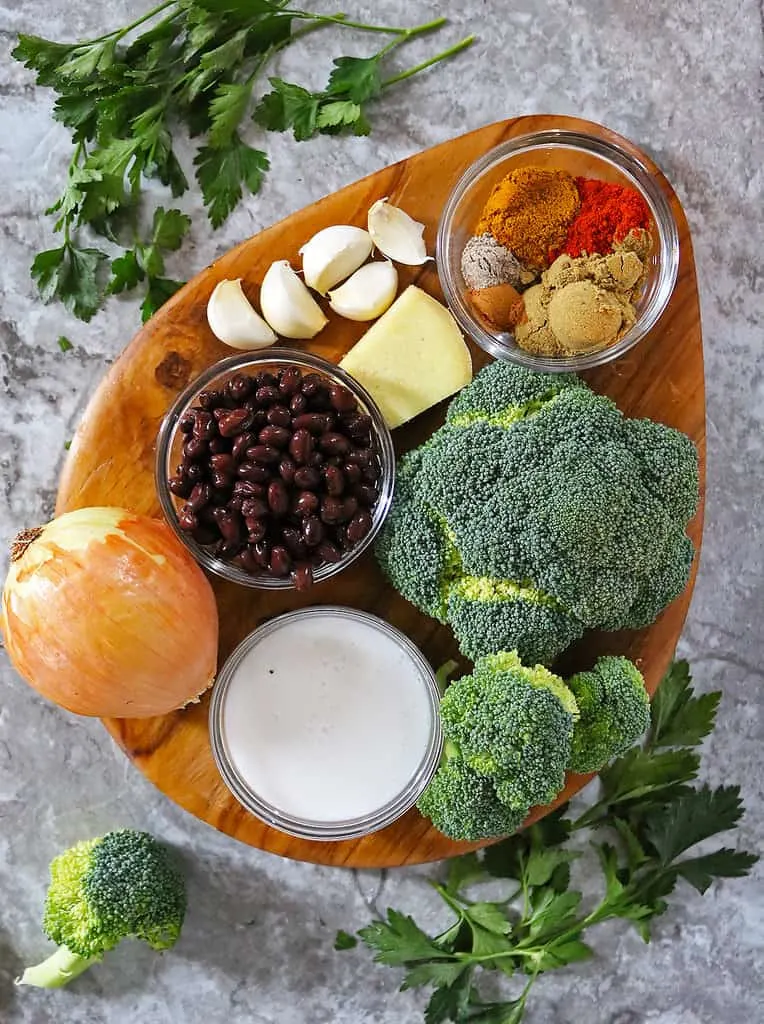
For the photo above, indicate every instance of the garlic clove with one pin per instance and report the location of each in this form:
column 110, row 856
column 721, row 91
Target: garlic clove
column 287, row 304
column 333, row 254
column 396, row 235
column 368, row 293
column 233, row 320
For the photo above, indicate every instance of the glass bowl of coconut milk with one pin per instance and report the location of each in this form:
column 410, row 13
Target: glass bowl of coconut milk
column 324, row 722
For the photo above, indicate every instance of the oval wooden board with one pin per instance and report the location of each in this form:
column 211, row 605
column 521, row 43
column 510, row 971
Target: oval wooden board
column 111, row 462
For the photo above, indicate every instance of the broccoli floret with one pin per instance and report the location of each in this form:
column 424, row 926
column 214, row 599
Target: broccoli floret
column 514, row 725
column 493, row 615
column 614, row 712
column 536, row 482
column 463, row 805
column 123, row 885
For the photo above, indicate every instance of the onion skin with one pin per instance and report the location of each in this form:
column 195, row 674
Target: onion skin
column 105, row 613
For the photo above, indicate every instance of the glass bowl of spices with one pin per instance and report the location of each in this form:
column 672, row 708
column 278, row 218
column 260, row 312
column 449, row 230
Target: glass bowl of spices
column 275, row 469
column 557, row 250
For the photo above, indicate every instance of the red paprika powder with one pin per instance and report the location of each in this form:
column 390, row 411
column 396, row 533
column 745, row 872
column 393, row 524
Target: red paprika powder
column 607, row 214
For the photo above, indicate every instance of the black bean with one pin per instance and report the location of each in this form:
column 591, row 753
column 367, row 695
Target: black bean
column 298, row 404
column 307, row 477
column 180, row 486
column 186, row 423
column 341, row 399
column 315, row 422
column 279, row 416
column 352, row 472
column 328, row 552
column 220, row 479
column 187, row 519
column 265, row 454
column 281, row 561
column 208, row 399
column 267, row 395
column 199, row 497
column 240, row 387
column 367, row 494
column 245, row 561
column 248, row 489
column 205, row 535
column 358, row 526
column 230, row 525
column 301, row 446
column 240, row 444
column 257, row 531
column 294, row 543
column 305, row 504
column 313, row 531
column 233, row 421
column 204, row 425
column 223, row 463
column 332, row 510
column 251, row 471
column 312, row 383
column 289, row 380
column 334, row 480
column 302, row 577
column 261, row 553
column 256, row 508
column 287, row 469
column 279, row 437
column 334, row 443
column 265, row 379
column 278, row 498
column 219, row 445
column 316, row 460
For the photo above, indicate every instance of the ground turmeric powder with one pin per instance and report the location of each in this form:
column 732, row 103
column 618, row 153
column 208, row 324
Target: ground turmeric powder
column 529, row 211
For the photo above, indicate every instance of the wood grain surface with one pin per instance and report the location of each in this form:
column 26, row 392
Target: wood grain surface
column 111, row 462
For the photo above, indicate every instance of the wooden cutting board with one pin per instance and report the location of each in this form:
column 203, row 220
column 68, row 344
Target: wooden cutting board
column 111, row 462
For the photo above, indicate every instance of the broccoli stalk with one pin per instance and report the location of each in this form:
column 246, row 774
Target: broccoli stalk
column 122, row 885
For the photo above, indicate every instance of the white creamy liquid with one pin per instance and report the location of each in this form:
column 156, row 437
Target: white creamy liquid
column 326, row 718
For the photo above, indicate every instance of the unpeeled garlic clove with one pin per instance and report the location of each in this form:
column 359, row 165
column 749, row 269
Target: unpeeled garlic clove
column 368, row 293
column 234, row 321
column 333, row 254
column 287, row 304
column 396, row 235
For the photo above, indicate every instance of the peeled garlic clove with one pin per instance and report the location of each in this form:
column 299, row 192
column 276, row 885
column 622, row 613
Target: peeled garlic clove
column 333, row 254
column 368, row 293
column 233, row 320
column 287, row 304
column 396, row 235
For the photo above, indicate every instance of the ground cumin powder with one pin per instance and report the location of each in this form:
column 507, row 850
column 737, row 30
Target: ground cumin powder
column 529, row 212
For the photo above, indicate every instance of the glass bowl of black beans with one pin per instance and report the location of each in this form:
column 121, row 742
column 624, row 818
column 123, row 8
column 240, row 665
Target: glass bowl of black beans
column 275, row 469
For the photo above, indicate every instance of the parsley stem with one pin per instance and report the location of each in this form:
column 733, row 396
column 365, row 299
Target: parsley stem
column 120, row 33
column 443, row 55
column 340, row 19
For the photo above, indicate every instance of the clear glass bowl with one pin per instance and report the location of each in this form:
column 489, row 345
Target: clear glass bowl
column 579, row 154
column 329, row 831
column 170, row 441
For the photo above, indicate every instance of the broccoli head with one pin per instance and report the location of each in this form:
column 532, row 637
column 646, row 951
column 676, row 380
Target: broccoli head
column 538, row 511
column 508, row 732
column 463, row 804
column 120, row 886
column 614, row 712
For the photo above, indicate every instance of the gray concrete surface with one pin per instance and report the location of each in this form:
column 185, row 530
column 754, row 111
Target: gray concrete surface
column 683, row 79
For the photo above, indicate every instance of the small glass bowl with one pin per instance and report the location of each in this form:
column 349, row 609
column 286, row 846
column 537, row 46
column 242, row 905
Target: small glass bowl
column 579, row 154
column 303, row 828
column 170, row 441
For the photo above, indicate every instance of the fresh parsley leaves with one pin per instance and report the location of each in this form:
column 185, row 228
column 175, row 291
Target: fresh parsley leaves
column 654, row 818
column 193, row 65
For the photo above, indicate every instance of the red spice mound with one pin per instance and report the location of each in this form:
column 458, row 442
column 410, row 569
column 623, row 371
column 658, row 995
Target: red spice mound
column 607, row 214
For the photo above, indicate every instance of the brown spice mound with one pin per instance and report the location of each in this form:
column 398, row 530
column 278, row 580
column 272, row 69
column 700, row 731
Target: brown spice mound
column 529, row 211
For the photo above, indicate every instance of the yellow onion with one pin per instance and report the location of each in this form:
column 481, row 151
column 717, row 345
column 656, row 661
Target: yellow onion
column 105, row 613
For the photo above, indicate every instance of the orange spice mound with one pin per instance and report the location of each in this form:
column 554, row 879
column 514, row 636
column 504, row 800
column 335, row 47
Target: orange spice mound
column 529, row 211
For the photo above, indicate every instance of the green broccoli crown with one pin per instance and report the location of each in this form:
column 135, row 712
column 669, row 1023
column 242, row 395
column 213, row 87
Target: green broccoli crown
column 463, row 804
column 537, row 511
column 614, row 712
column 514, row 725
column 104, row 890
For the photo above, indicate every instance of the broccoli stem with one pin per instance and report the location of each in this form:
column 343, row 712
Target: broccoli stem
column 58, row 970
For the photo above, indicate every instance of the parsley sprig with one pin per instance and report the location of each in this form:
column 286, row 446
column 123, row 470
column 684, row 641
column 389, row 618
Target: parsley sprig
column 644, row 829
column 193, row 67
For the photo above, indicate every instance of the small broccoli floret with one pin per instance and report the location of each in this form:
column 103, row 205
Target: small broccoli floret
column 614, row 712
column 514, row 725
column 505, row 394
column 463, row 804
column 494, row 615
column 120, row 886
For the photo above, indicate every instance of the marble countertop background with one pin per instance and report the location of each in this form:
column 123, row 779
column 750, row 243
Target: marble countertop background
column 681, row 78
